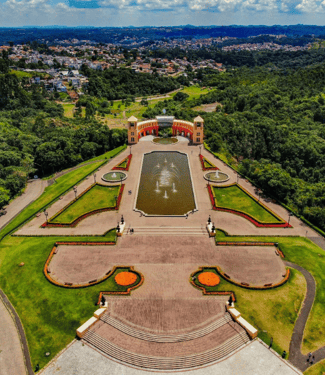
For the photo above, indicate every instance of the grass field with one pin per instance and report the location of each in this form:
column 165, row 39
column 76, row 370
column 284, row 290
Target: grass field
column 50, row 314
column 96, row 198
column 273, row 312
column 234, row 198
column 305, row 253
column 318, row 369
column 51, row 193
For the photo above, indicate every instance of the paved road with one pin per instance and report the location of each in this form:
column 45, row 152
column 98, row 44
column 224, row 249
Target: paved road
column 33, row 190
column 11, row 353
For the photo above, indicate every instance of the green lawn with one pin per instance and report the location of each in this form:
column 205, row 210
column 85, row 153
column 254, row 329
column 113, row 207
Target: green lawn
column 51, row 193
column 273, row 312
column 50, row 314
column 109, row 154
column 305, row 253
column 234, row 198
column 193, row 91
column 96, row 198
column 317, row 369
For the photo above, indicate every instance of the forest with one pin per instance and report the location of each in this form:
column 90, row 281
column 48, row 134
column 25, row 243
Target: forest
column 124, row 83
column 35, row 138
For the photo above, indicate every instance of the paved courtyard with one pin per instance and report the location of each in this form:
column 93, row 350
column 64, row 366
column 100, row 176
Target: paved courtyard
column 255, row 358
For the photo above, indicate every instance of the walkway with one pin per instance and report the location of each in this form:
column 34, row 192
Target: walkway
column 295, row 356
column 14, row 353
column 254, row 358
column 33, row 190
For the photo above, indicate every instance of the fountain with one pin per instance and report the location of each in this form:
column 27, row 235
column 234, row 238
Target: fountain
column 171, row 183
column 114, row 175
column 158, row 166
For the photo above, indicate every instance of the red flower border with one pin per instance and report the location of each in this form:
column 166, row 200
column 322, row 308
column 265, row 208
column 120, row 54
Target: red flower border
column 257, row 223
column 128, row 158
column 84, row 216
column 202, row 159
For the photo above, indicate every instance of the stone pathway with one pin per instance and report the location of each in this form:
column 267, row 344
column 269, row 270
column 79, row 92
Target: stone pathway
column 14, row 353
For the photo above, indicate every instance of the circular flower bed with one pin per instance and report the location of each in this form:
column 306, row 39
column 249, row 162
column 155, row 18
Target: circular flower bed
column 209, row 278
column 126, row 278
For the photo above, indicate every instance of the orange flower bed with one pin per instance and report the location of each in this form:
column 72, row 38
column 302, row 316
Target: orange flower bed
column 126, row 278
column 209, row 278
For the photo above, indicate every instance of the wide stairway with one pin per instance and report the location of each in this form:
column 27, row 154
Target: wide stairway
column 176, row 351
column 167, row 231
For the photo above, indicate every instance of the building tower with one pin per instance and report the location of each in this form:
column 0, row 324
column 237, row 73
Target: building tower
column 132, row 130
column 198, row 133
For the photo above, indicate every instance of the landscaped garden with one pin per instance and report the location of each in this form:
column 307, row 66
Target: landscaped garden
column 235, row 198
column 97, row 198
column 300, row 251
column 206, row 164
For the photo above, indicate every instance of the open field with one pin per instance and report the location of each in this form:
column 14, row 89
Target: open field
column 234, row 198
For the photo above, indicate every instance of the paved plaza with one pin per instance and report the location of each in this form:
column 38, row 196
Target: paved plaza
column 254, row 358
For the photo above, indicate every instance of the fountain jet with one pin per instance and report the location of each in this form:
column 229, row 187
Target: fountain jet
column 174, row 190
column 165, row 196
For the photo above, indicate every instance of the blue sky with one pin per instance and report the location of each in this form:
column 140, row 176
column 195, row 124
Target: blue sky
column 160, row 12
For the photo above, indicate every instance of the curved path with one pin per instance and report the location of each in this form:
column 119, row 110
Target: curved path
column 14, row 364
column 295, row 356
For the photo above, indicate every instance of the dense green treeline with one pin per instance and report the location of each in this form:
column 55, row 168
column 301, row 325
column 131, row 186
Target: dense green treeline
column 273, row 124
column 35, row 138
column 124, row 83
column 277, row 59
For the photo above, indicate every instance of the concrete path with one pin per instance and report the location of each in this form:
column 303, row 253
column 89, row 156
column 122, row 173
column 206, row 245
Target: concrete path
column 319, row 241
column 13, row 344
column 253, row 358
column 295, row 356
column 33, row 190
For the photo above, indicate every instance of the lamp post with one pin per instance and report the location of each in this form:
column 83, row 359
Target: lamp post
column 75, row 191
column 115, row 201
column 46, row 215
column 118, row 227
column 209, row 219
column 237, row 177
column 259, row 194
column 200, row 149
column 290, row 214
column 94, row 177
column 122, row 219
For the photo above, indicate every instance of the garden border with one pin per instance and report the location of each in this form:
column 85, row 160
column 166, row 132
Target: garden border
column 117, row 168
column 204, row 291
column 282, row 224
column 202, row 158
column 46, row 269
column 84, row 216
column 241, row 285
column 128, row 291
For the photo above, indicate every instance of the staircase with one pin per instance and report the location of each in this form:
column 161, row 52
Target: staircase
column 142, row 335
column 167, row 231
column 166, row 363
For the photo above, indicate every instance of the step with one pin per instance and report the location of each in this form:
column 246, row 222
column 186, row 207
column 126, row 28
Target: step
column 174, row 231
column 166, row 363
column 142, row 335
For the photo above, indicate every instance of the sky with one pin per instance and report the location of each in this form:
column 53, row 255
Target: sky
column 101, row 13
